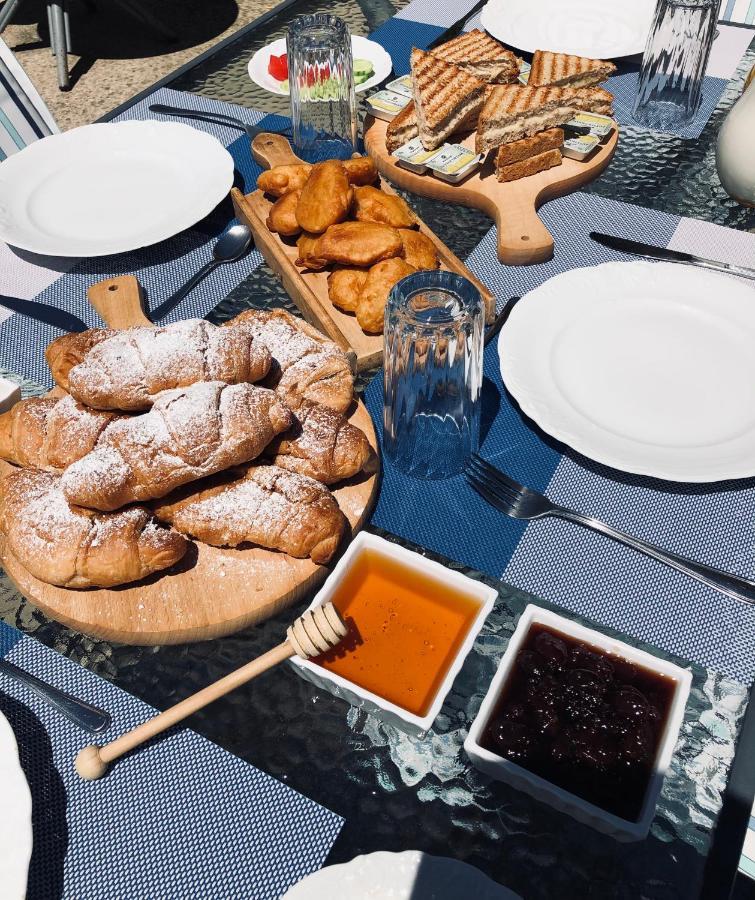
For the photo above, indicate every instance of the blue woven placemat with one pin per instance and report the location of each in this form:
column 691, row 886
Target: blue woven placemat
column 179, row 818
column 570, row 566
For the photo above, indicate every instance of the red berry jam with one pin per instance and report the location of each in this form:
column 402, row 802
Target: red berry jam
column 585, row 720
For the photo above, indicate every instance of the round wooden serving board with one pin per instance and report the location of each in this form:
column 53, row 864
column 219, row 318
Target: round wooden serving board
column 213, row 591
column 513, row 205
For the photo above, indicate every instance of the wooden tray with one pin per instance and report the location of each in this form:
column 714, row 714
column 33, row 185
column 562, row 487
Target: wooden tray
column 309, row 290
column 211, row 592
column 513, row 205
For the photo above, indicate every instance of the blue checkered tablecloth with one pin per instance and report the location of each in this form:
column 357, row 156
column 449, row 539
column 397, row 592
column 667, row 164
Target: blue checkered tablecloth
column 179, row 818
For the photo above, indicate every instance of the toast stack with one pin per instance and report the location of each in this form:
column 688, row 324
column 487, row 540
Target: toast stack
column 470, row 84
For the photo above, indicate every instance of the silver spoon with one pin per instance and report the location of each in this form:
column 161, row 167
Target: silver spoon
column 228, row 248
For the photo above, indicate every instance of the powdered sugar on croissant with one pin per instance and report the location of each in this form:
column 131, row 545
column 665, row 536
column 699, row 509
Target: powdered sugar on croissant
column 78, row 548
column 127, row 369
column 188, row 434
column 306, row 365
column 264, row 505
column 50, row 433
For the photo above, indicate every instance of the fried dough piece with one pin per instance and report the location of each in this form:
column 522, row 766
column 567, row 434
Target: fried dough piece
column 325, row 198
column 344, row 286
column 419, row 250
column 380, row 279
column 358, row 244
column 282, row 216
column 306, row 247
column 282, row 180
column 372, row 205
column 360, row 170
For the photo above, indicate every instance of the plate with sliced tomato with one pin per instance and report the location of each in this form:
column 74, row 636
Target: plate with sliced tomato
column 269, row 66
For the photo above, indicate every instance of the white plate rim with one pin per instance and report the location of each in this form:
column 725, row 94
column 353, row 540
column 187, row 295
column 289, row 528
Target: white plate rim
column 376, row 53
column 386, row 861
column 494, row 21
column 542, row 414
column 18, row 848
column 218, row 173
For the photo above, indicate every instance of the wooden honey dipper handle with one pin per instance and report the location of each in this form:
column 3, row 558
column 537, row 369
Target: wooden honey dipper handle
column 311, row 634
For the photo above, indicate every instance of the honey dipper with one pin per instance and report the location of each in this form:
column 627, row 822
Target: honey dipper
column 310, row 635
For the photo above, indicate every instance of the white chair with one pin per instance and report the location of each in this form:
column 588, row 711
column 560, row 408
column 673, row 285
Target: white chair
column 24, row 117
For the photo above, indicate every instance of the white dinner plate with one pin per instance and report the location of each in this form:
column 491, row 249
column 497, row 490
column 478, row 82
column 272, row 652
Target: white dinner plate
column 603, row 29
column 15, row 822
column 111, row 187
column 645, row 367
column 361, row 48
column 409, row 875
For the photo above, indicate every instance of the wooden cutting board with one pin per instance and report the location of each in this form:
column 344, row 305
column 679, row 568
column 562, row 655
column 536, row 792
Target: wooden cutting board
column 309, row 290
column 213, row 591
column 513, row 205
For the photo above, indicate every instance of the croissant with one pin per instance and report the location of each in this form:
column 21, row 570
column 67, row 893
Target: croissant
column 79, row 548
column 306, row 365
column 189, row 433
column 323, row 445
column 263, row 505
column 126, row 369
column 50, row 433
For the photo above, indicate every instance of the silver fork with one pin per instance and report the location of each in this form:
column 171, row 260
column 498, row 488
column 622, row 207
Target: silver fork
column 521, row 502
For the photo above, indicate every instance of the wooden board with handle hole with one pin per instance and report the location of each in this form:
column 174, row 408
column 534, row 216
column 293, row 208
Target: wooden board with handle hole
column 523, row 239
column 309, row 290
column 213, row 591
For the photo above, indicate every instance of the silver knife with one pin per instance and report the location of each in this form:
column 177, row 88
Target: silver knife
column 625, row 245
column 43, row 312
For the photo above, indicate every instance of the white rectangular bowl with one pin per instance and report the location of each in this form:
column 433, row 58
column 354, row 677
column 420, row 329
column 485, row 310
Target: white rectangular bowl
column 478, row 593
column 564, row 801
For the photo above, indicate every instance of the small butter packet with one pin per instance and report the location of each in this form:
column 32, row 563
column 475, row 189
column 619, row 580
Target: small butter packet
column 453, row 163
column 402, row 85
column 524, row 72
column 581, row 146
column 386, row 104
column 591, row 123
column 414, row 157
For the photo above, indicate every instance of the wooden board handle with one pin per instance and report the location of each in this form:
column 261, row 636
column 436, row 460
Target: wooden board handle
column 119, row 301
column 273, row 150
column 522, row 237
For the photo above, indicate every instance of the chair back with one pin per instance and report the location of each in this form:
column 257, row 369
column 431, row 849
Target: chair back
column 24, row 116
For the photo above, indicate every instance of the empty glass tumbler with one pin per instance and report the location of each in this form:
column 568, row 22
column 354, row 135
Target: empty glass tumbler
column 674, row 63
column 434, row 325
column 321, row 87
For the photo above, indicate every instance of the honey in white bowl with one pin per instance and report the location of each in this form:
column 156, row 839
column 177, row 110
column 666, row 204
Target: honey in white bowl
column 405, row 630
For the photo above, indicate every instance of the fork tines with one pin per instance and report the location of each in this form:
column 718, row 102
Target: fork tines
column 492, row 485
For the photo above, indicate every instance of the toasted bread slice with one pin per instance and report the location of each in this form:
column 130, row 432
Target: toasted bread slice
column 402, row 128
column 446, row 98
column 480, row 55
column 512, row 112
column 516, row 151
column 564, row 69
column 531, row 166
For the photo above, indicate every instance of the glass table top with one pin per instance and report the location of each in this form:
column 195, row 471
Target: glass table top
column 397, row 792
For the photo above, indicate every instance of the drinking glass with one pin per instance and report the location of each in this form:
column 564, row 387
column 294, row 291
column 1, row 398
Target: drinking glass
column 674, row 62
column 432, row 373
column 321, row 87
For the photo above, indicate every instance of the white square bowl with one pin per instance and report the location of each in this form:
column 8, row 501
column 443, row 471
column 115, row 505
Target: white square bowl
column 480, row 594
column 519, row 777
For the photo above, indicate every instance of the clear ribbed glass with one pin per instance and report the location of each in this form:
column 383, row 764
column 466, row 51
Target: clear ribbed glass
column 674, row 62
column 432, row 373
column 321, row 87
